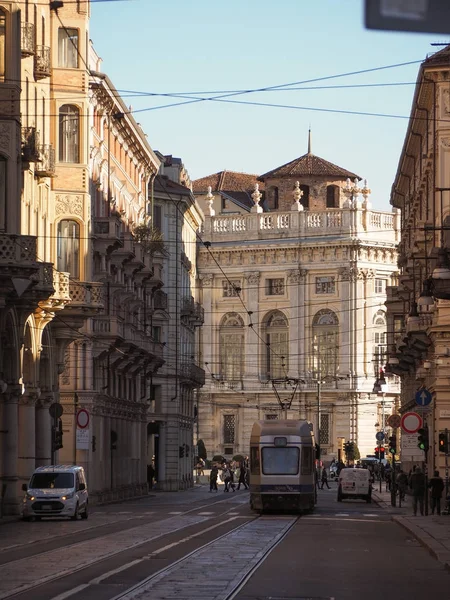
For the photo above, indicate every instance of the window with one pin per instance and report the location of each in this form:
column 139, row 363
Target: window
column 280, row 461
column 156, row 334
column 277, row 345
column 231, row 347
column 399, row 324
column 157, row 217
column 379, row 342
column 325, row 285
column 230, row 288
column 254, row 460
column 325, row 344
column 2, row 45
column 307, row 460
column 332, row 196
column 229, row 425
column 380, row 286
column 272, row 196
column 271, row 417
column 324, row 429
column 69, row 248
column 275, row 287
column 226, row 204
column 68, row 48
column 304, row 200
column 69, row 125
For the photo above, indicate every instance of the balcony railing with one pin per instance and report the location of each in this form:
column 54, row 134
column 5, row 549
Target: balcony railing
column 108, row 326
column 30, row 144
column 191, row 371
column 17, row 249
column 45, row 166
column 86, row 294
column 187, row 306
column 42, row 62
column 28, row 39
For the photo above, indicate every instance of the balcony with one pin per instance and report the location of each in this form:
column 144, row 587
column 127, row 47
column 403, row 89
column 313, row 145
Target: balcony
column 61, row 296
column 28, row 39
column 42, row 62
column 198, row 315
column 86, row 299
column 30, row 144
column 193, row 373
column 187, row 306
column 45, row 165
column 107, row 234
column 107, row 327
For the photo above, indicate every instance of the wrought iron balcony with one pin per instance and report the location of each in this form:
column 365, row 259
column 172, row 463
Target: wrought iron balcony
column 28, row 39
column 45, row 165
column 192, row 372
column 42, row 62
column 187, row 306
column 198, row 315
column 30, row 144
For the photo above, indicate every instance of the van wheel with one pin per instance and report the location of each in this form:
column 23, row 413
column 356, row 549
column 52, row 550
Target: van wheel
column 85, row 514
column 369, row 499
column 74, row 517
column 339, row 497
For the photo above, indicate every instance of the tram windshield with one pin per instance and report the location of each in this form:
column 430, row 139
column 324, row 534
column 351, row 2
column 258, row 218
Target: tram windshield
column 280, row 461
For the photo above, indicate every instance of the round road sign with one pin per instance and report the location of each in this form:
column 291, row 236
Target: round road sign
column 411, row 422
column 380, row 436
column 82, row 418
column 394, row 421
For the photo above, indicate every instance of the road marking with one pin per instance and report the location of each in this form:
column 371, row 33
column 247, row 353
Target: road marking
column 126, row 566
column 207, row 513
column 342, row 515
column 320, row 518
column 176, row 512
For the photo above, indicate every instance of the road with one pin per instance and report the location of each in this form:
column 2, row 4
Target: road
column 197, row 545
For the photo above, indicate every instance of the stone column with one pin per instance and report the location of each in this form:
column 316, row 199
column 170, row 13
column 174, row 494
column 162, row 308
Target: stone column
column 27, row 436
column 43, row 431
column 10, row 437
column 252, row 341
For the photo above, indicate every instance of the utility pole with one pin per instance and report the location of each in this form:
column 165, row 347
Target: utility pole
column 318, row 418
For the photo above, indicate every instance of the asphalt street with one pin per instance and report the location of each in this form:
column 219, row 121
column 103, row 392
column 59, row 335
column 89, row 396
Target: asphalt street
column 197, row 545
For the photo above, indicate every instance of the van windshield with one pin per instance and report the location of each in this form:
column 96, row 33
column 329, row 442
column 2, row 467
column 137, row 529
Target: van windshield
column 52, row 481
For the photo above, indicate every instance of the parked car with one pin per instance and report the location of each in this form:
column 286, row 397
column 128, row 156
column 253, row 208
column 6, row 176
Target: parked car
column 56, row 491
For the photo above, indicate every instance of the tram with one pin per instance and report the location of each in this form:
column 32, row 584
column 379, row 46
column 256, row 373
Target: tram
column 282, row 466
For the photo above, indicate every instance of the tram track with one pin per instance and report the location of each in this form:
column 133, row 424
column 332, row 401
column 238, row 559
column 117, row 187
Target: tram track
column 25, row 574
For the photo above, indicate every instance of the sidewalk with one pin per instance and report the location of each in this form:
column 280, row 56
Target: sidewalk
column 433, row 532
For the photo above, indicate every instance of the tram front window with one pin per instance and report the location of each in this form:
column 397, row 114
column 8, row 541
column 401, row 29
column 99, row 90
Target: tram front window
column 280, row 461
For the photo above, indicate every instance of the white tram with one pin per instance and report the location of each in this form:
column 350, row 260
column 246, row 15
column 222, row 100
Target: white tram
column 282, row 466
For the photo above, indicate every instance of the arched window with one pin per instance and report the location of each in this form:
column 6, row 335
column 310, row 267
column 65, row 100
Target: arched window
column 332, row 196
column 2, row 44
column 325, row 344
column 231, row 347
column 304, row 200
column 276, row 336
column 272, row 201
column 379, row 342
column 69, row 247
column 69, row 134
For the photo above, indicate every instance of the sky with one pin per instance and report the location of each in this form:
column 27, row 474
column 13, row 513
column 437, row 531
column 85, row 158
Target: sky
column 206, row 48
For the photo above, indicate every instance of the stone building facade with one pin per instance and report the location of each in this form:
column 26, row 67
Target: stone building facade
column 419, row 304
column 293, row 284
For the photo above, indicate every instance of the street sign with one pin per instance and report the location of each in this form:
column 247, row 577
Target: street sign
column 380, row 436
column 394, row 421
column 82, row 418
column 429, row 16
column 411, row 422
column 55, row 410
column 423, row 397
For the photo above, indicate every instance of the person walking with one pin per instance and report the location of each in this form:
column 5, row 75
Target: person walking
column 213, row 479
column 436, row 485
column 417, row 485
column 242, row 477
column 402, row 484
column 324, row 478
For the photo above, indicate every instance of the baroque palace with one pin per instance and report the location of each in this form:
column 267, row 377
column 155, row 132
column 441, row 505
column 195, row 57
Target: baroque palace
column 97, row 362
column 294, row 269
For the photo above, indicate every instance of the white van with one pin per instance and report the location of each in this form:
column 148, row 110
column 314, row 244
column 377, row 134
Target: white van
column 56, row 491
column 355, row 483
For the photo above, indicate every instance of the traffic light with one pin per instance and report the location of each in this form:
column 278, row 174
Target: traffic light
column 377, row 452
column 422, row 440
column 443, row 442
column 186, row 448
column 57, row 436
column 181, row 451
column 381, row 453
column 393, row 444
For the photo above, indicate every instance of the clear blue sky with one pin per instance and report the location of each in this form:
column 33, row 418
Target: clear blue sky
column 210, row 46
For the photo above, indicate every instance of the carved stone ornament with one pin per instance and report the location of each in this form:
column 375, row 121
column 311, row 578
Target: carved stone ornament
column 294, row 276
column 253, row 278
column 446, row 101
column 445, row 142
column 206, row 279
column 69, row 204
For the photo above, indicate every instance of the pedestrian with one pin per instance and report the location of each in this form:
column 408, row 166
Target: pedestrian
column 213, row 479
column 402, row 484
column 242, row 477
column 324, row 478
column 200, row 467
column 417, row 485
column 150, row 475
column 436, row 485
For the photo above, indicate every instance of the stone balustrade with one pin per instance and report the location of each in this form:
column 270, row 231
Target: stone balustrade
column 366, row 224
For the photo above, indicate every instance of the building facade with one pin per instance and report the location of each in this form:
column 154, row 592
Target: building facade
column 293, row 284
column 418, row 306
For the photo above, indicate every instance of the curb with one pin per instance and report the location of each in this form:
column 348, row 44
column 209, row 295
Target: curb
column 435, row 548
